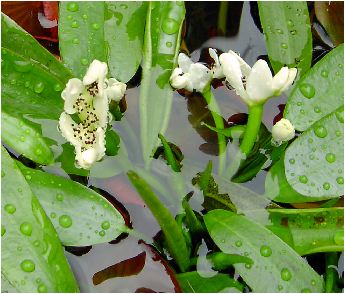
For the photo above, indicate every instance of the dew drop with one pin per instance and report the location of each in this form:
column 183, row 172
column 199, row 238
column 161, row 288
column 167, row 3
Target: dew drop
column 42, row 288
column 293, row 32
column 39, row 87
column 292, row 160
column 326, row 186
column 284, row 45
column 280, row 287
column 10, row 208
column 265, row 251
column 279, row 31
column 238, row 243
column 75, row 24
column 22, row 139
column 170, row 26
column 307, row 90
column 84, row 16
column 324, row 73
column 37, row 243
column 69, row 17
column 330, row 157
column 95, row 26
column 299, row 103
column 53, row 215
column 311, row 157
column 27, row 265
column 105, row 225
column 28, row 177
column 248, row 266
column 123, row 6
column 38, row 151
column 313, row 282
column 339, row 237
column 310, row 140
column 340, row 180
column 303, row 179
column 320, row 131
column 340, row 115
column 285, row 274
column 75, row 41
column 84, row 61
column 302, row 111
column 101, row 233
column 59, row 197
column 72, row 6
column 317, row 109
column 290, row 23
column 3, row 230
column 22, row 66
column 168, row 44
column 65, row 221
column 26, row 229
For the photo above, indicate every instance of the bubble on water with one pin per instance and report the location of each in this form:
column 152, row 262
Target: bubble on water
column 65, row 221
column 285, row 274
column 10, row 208
column 307, row 90
column 27, row 265
column 26, row 229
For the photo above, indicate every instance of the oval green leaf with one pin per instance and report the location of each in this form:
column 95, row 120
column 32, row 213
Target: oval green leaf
column 80, row 216
column 276, row 268
column 108, row 31
column 161, row 46
column 287, row 33
column 314, row 161
column 32, row 258
column 319, row 92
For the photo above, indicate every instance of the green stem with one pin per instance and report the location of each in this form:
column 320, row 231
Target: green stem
column 218, row 120
column 331, row 273
column 222, row 16
column 252, row 129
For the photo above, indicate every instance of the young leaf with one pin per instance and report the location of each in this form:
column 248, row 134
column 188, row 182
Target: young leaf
column 172, row 232
column 175, row 165
column 80, row 216
column 314, row 161
column 31, row 251
column 161, row 46
column 287, row 33
column 193, row 282
column 274, row 261
column 309, row 230
column 108, row 31
column 319, row 92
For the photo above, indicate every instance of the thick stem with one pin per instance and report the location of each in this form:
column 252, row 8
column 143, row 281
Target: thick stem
column 218, row 121
column 331, row 273
column 222, row 16
column 252, row 129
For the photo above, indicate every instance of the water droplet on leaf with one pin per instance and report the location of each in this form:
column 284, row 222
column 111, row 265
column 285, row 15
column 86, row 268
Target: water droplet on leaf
column 303, row 179
column 27, row 265
column 330, row 157
column 285, row 274
column 65, row 221
column 10, row 208
column 170, row 26
column 320, row 131
column 265, row 251
column 26, row 229
column 72, row 6
column 307, row 90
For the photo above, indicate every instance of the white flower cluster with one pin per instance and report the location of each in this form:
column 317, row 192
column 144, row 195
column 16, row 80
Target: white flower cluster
column 88, row 102
column 255, row 85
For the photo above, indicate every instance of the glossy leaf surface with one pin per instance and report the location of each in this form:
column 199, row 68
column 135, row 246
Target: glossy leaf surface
column 192, row 282
column 309, row 230
column 161, row 46
column 273, row 260
column 112, row 32
column 287, row 33
column 314, row 161
column 319, row 92
column 32, row 258
column 80, row 216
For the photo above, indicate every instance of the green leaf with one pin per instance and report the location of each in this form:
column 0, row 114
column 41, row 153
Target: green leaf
column 278, row 189
column 175, row 165
column 287, row 32
column 112, row 142
column 172, row 231
column 274, row 261
column 108, row 31
column 319, row 92
column 32, row 258
column 221, row 261
column 309, row 230
column 14, row 38
column 314, row 161
column 80, row 216
column 161, row 46
column 192, row 282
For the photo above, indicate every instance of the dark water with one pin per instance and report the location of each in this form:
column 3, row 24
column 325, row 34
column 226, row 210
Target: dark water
column 141, row 269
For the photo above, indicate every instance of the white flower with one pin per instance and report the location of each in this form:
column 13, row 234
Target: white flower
column 190, row 76
column 282, row 131
column 115, row 90
column 89, row 100
column 216, row 69
column 255, row 85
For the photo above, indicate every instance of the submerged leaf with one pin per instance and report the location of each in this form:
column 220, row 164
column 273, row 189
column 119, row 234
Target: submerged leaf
column 32, row 258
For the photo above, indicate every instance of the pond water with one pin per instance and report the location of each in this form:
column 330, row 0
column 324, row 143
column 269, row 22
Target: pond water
column 143, row 270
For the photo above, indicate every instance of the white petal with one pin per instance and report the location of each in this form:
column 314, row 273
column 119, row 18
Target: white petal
column 245, row 68
column 96, row 73
column 179, row 82
column 200, row 76
column 101, row 105
column 184, row 62
column 217, row 70
column 291, row 78
column 280, row 79
column 115, row 90
column 99, row 144
column 73, row 89
column 282, row 131
column 232, row 71
column 176, row 72
column 259, row 83
column 66, row 128
column 86, row 158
